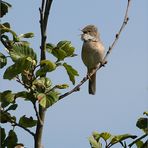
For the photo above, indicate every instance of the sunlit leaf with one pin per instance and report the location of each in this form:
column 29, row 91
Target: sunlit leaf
column 27, row 122
column 41, row 84
column 62, row 50
column 94, row 143
column 17, row 68
column 43, row 100
column 27, row 35
column 62, row 86
column 105, row 135
column 22, row 51
column 71, row 72
column 3, row 60
column 46, row 66
column 96, row 136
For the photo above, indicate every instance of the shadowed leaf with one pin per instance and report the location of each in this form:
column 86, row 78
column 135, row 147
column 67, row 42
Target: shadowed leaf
column 3, row 60
column 27, row 122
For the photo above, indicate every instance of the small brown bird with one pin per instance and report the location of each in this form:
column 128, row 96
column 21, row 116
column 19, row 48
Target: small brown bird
column 92, row 53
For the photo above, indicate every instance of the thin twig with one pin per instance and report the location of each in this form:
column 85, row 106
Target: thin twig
column 26, row 129
column 143, row 136
column 100, row 65
column 37, row 114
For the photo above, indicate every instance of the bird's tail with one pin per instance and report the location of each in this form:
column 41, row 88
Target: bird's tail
column 92, row 84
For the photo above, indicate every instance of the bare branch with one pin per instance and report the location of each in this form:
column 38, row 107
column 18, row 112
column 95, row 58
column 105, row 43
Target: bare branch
column 100, row 65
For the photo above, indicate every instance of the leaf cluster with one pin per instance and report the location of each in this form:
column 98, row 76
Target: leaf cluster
column 107, row 140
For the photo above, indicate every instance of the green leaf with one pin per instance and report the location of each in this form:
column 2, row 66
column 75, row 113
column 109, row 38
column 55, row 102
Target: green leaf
column 46, row 100
column 23, row 64
column 3, row 60
column 62, row 50
column 4, row 8
column 94, row 143
column 3, row 135
column 11, row 140
column 41, row 84
column 42, row 100
column 71, row 72
column 6, row 98
column 96, row 136
column 27, row 122
column 52, row 97
column 139, row 144
column 50, row 47
column 62, row 86
column 21, row 51
column 27, row 35
column 67, row 47
column 142, row 123
column 46, row 66
column 12, row 107
column 145, row 113
column 105, row 135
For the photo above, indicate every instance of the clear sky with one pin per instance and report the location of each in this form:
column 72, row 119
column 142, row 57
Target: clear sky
column 122, row 86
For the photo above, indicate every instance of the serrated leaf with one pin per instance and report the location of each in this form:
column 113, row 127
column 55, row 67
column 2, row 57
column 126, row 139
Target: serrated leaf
column 52, row 97
column 67, row 47
column 27, row 122
column 20, row 66
column 3, row 60
column 94, row 143
column 71, row 72
column 4, row 8
column 105, row 135
column 62, row 50
column 22, row 51
column 46, row 100
column 11, row 140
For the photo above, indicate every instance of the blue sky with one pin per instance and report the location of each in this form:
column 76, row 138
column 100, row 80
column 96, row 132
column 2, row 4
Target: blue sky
column 122, row 86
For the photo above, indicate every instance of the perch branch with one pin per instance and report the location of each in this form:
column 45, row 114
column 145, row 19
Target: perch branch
column 100, row 65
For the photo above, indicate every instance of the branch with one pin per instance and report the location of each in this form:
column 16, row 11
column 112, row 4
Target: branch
column 143, row 136
column 26, row 129
column 100, row 65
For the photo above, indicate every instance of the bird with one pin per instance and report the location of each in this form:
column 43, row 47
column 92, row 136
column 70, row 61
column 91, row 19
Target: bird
column 92, row 53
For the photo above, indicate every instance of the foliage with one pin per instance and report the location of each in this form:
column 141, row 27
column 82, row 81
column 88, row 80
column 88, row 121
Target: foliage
column 31, row 73
column 110, row 140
